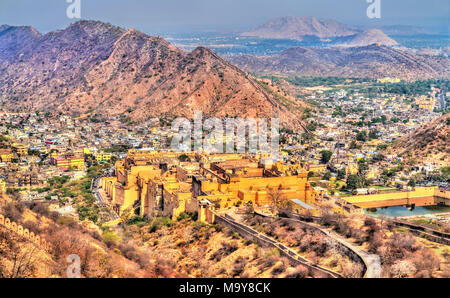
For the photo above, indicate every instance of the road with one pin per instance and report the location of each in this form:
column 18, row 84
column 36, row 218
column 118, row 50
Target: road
column 101, row 201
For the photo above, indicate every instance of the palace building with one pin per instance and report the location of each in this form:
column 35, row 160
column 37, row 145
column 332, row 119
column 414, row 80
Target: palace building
column 169, row 184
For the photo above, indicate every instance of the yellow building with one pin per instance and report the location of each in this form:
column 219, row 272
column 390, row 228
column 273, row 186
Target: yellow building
column 319, row 168
column 2, row 187
column 388, row 80
column 78, row 152
column 69, row 161
column 103, row 156
column 6, row 155
column 259, row 191
column 426, row 103
column 20, row 149
column 159, row 184
column 131, row 177
column 351, row 169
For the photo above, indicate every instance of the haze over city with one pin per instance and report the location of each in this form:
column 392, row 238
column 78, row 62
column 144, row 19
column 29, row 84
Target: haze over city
column 203, row 15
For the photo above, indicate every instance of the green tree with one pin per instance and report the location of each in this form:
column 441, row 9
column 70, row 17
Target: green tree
column 325, row 156
column 355, row 181
column 341, row 174
column 361, row 136
column 373, row 134
column 183, row 158
column 326, row 176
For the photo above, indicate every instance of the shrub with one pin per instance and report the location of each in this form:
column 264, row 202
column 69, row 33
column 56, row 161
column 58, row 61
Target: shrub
column 159, row 222
column 32, row 227
column 226, row 249
column 130, row 252
column 299, row 272
column 278, row 269
column 13, row 211
column 110, row 238
column 238, row 267
column 40, row 209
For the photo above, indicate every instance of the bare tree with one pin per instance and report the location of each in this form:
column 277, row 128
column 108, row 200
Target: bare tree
column 275, row 197
column 20, row 257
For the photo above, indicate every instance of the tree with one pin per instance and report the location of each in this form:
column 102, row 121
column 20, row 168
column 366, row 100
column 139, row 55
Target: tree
column 341, row 174
column 402, row 269
column 184, row 158
column 326, row 176
column 363, row 167
column 325, row 156
column 373, row 134
column 127, row 214
column 22, row 258
column 361, row 136
column 355, row 181
column 275, row 195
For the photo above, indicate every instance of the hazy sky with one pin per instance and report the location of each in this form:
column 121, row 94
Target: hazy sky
column 154, row 16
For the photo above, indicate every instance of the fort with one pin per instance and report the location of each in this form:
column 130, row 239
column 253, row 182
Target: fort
column 420, row 196
column 168, row 184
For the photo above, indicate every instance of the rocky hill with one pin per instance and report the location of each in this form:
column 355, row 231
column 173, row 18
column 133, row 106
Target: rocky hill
column 428, row 143
column 371, row 61
column 99, row 68
column 297, row 28
column 371, row 36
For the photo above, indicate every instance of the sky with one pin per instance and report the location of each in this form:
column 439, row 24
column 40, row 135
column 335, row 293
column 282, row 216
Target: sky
column 158, row 16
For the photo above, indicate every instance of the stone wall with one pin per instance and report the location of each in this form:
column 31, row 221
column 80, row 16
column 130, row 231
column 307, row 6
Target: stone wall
column 264, row 241
column 23, row 232
column 340, row 246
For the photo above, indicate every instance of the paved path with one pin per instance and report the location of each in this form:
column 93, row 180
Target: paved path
column 372, row 261
column 100, row 197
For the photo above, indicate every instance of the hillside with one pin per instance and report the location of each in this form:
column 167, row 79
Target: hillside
column 161, row 248
column 297, row 28
column 371, row 36
column 371, row 61
column 102, row 69
column 428, row 143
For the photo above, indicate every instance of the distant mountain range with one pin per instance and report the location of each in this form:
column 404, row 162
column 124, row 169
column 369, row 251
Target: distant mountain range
column 298, row 28
column 372, row 61
column 371, row 36
column 94, row 67
column 336, row 33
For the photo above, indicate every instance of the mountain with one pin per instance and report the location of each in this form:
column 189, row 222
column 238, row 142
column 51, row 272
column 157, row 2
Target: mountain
column 297, row 28
column 371, row 36
column 428, row 143
column 371, row 61
column 102, row 69
column 15, row 38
